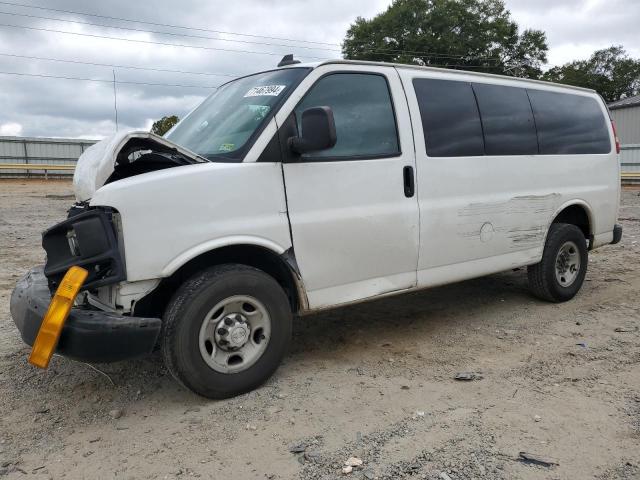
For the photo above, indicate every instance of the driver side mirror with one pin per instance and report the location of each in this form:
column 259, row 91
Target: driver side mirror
column 318, row 131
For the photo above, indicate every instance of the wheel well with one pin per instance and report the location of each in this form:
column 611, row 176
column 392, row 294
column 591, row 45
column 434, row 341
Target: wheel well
column 282, row 270
column 575, row 215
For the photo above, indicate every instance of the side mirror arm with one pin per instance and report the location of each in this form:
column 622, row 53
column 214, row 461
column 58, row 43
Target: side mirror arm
column 297, row 145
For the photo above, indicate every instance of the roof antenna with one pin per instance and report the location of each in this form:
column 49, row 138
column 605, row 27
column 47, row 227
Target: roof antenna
column 288, row 60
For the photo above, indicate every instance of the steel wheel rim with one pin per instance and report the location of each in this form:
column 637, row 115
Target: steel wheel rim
column 567, row 267
column 247, row 326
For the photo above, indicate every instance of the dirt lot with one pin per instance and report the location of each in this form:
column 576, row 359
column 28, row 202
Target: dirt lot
column 374, row 380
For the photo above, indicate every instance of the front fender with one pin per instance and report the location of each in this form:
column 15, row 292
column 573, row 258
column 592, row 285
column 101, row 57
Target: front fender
column 212, row 245
column 170, row 216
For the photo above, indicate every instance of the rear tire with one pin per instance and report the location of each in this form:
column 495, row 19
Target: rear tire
column 561, row 272
column 219, row 365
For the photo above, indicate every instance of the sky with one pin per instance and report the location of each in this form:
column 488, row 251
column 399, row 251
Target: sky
column 227, row 38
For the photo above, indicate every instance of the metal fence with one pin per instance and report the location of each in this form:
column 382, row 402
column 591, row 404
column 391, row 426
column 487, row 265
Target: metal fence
column 40, row 151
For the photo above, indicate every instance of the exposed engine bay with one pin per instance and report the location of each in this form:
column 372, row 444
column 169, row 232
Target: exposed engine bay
column 125, row 155
column 142, row 155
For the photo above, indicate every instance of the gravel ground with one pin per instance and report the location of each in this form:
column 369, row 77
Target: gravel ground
column 375, row 381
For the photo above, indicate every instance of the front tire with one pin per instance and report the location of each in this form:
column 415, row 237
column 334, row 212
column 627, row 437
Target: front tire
column 226, row 330
column 561, row 272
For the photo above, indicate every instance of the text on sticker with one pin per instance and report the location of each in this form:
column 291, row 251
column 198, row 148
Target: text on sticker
column 265, row 91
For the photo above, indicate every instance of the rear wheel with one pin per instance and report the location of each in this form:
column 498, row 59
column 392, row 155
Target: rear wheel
column 561, row 272
column 226, row 330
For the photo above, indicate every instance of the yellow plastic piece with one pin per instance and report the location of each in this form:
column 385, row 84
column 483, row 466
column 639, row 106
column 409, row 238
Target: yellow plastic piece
column 56, row 315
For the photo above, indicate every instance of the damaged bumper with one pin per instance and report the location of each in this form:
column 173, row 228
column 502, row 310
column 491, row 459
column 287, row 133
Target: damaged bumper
column 88, row 335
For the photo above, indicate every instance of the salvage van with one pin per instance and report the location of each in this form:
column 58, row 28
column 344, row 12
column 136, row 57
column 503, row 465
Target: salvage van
column 312, row 186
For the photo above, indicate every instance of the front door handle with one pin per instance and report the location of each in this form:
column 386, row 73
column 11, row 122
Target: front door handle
column 409, row 182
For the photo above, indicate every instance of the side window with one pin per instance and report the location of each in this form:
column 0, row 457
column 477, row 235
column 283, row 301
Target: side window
column 363, row 112
column 507, row 120
column 569, row 124
column 450, row 118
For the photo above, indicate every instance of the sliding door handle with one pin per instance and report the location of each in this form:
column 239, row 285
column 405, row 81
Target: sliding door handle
column 409, row 182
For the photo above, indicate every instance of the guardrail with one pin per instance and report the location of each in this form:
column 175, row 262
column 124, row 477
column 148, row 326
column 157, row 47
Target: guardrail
column 630, row 176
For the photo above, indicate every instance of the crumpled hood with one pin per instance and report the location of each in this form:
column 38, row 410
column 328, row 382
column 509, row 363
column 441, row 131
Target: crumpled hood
column 97, row 162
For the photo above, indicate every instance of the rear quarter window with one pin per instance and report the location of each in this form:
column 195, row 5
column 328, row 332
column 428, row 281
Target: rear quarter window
column 450, row 118
column 507, row 120
column 569, row 124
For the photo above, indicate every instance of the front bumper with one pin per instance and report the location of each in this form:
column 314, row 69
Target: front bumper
column 88, row 335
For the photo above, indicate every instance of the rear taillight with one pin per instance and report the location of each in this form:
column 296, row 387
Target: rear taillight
column 615, row 134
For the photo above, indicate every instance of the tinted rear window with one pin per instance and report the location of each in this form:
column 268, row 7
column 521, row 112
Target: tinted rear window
column 507, row 120
column 569, row 124
column 450, row 118
column 468, row 119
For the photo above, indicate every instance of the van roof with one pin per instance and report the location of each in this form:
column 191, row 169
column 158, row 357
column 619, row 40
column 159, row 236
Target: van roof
column 437, row 69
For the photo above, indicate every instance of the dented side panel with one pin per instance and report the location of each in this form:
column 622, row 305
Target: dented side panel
column 484, row 214
column 519, row 223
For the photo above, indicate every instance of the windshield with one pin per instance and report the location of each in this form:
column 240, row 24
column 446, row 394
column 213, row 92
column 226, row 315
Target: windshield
column 220, row 129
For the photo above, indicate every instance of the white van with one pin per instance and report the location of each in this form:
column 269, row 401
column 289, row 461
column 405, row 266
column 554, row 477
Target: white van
column 318, row 185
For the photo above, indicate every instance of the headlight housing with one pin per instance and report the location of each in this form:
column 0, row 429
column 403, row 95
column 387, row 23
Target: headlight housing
column 88, row 240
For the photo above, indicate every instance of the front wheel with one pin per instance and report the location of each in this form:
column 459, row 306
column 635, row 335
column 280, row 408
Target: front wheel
column 226, row 330
column 561, row 272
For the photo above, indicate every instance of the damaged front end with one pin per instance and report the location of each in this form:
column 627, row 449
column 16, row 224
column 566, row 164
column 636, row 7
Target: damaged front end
column 89, row 334
column 124, row 155
column 89, row 238
column 99, row 327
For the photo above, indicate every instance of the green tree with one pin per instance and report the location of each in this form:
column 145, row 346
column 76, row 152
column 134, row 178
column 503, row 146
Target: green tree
column 162, row 126
column 610, row 71
column 477, row 35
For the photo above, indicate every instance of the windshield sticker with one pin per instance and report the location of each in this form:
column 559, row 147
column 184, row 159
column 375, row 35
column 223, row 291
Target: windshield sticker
column 265, row 91
column 226, row 147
